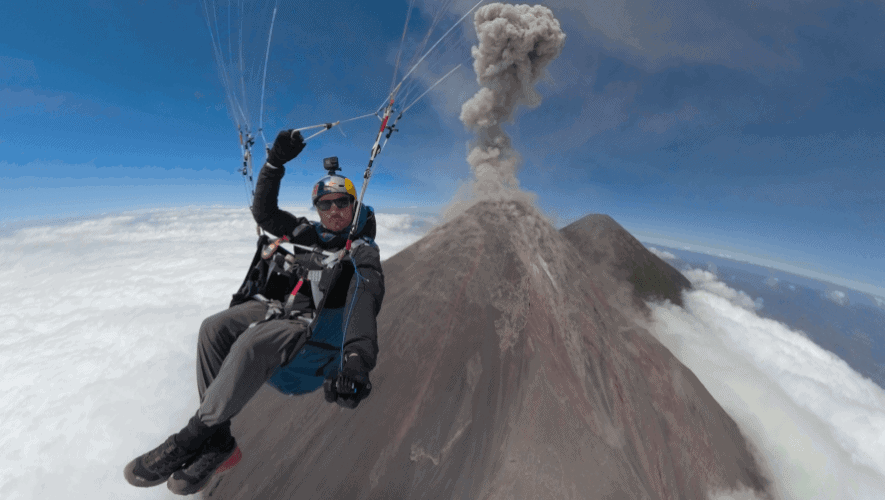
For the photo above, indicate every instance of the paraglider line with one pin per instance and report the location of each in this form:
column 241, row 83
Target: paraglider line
column 233, row 104
column 330, row 125
column 246, row 187
column 436, row 18
column 440, row 40
column 264, row 78
column 243, row 70
column 414, row 84
column 327, row 127
column 357, row 118
column 359, row 280
column 399, row 53
column 311, row 127
column 429, row 89
column 380, row 108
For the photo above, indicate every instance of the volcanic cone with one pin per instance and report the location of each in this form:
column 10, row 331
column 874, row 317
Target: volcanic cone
column 504, row 372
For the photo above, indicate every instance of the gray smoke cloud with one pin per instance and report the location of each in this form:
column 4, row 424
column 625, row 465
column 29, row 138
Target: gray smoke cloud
column 516, row 43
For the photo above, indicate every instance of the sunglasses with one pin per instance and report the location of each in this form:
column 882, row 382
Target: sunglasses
column 342, row 202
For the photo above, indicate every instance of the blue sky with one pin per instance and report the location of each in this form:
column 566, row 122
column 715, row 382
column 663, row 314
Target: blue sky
column 748, row 128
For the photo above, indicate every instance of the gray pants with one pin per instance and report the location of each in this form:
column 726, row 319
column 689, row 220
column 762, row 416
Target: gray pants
column 234, row 361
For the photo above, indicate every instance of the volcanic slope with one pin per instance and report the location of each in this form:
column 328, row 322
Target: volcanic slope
column 504, row 372
column 604, row 243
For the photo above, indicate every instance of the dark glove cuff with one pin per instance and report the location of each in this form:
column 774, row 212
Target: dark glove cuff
column 274, row 171
column 353, row 364
column 329, row 390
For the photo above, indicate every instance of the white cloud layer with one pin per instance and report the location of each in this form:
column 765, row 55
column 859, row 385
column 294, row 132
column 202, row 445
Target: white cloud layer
column 662, row 253
column 98, row 330
column 99, row 327
column 838, row 297
column 816, row 422
column 706, row 280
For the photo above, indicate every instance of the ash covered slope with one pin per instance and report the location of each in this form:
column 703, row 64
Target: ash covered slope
column 606, row 243
column 504, row 373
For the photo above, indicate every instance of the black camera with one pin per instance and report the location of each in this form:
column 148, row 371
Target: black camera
column 331, row 164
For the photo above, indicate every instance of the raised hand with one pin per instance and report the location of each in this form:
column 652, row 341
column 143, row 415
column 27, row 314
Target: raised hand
column 285, row 148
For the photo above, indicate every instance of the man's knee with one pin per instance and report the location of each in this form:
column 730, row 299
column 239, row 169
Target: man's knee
column 272, row 340
column 254, row 340
column 214, row 330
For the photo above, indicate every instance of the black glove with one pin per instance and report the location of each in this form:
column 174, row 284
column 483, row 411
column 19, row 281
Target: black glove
column 350, row 386
column 287, row 146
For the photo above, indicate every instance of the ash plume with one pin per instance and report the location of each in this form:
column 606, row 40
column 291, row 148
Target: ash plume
column 516, row 43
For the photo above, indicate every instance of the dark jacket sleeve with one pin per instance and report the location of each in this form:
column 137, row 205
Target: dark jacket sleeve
column 365, row 296
column 265, row 209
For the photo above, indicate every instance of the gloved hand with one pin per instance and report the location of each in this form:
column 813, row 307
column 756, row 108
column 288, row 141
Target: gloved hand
column 350, row 386
column 286, row 147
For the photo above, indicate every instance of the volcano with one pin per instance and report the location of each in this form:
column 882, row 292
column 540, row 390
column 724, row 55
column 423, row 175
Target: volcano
column 509, row 367
column 609, row 248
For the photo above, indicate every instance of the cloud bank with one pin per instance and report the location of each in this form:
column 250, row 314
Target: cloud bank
column 99, row 330
column 102, row 320
column 838, row 297
column 662, row 253
column 815, row 421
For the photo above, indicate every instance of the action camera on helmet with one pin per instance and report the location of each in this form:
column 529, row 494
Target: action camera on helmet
column 331, row 164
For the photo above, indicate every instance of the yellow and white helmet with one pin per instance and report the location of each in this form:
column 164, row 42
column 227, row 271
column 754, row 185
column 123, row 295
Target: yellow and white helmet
column 332, row 184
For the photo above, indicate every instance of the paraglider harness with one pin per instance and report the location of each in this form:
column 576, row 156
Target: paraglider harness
column 275, row 278
column 276, row 275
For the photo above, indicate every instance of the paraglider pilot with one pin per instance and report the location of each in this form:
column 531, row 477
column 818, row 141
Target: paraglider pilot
column 241, row 348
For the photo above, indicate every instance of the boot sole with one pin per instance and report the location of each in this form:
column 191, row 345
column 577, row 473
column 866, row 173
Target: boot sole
column 131, row 478
column 182, row 487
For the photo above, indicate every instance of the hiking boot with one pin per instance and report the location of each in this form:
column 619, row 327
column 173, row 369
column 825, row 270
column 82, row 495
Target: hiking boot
column 220, row 453
column 157, row 465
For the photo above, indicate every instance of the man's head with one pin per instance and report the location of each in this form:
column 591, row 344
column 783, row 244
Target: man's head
column 333, row 197
column 336, row 211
